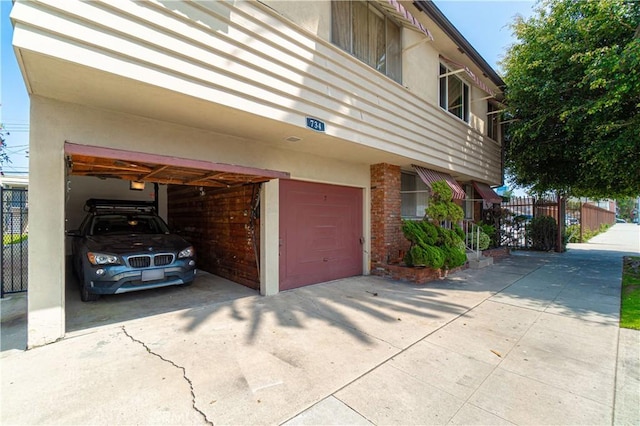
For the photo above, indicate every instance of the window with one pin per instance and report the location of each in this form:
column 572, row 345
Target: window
column 493, row 121
column 414, row 195
column 364, row 31
column 454, row 94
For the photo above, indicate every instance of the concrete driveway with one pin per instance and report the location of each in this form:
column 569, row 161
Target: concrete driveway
column 532, row 339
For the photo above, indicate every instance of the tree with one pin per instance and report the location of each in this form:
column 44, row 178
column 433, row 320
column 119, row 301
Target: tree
column 573, row 99
column 626, row 206
column 4, row 157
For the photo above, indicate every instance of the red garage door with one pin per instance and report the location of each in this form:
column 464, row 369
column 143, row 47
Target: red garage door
column 320, row 233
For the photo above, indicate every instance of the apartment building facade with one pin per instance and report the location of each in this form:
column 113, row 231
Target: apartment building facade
column 308, row 129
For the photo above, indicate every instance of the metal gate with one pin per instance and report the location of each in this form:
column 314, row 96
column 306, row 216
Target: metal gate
column 15, row 228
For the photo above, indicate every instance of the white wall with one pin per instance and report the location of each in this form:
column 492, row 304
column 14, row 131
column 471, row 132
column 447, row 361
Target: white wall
column 80, row 188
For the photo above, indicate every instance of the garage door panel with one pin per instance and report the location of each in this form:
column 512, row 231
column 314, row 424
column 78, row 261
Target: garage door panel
column 320, row 228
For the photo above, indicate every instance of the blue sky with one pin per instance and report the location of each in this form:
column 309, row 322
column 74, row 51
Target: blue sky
column 14, row 109
column 484, row 23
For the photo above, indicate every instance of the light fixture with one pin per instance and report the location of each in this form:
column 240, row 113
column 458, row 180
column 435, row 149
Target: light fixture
column 136, row 185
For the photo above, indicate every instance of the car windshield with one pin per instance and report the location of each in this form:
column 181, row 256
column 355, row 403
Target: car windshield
column 110, row 224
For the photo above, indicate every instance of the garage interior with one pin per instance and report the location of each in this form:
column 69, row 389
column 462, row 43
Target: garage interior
column 214, row 206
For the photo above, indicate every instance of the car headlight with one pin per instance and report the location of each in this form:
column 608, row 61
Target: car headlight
column 102, row 259
column 188, row 252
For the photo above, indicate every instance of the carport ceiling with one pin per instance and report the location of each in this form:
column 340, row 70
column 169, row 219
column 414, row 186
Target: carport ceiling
column 135, row 166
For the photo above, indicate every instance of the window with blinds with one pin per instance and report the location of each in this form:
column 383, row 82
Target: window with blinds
column 414, row 194
column 361, row 29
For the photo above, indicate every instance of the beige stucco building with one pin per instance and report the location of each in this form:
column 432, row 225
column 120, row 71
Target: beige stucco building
column 294, row 96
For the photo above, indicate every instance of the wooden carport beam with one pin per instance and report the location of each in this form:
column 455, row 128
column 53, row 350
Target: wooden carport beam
column 153, row 172
column 110, row 167
column 205, row 177
column 164, row 169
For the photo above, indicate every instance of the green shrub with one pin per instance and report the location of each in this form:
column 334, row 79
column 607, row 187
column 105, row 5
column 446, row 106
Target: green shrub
column 449, row 238
column 459, row 231
column 542, row 233
column 483, row 239
column 434, row 256
column 572, row 233
column 412, row 231
column 414, row 257
column 432, row 245
column 454, row 256
column 429, row 256
column 441, row 207
column 13, row 238
column 431, row 232
column 490, row 230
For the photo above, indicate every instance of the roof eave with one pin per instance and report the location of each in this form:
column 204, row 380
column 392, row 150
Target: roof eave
column 428, row 7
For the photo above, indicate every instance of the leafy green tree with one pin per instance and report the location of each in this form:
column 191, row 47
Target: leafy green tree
column 626, row 206
column 4, row 157
column 573, row 99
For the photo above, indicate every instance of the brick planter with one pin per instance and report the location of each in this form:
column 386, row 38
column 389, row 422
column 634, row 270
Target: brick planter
column 497, row 253
column 415, row 275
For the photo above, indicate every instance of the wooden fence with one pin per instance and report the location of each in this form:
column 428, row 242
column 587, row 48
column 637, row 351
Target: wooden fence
column 593, row 217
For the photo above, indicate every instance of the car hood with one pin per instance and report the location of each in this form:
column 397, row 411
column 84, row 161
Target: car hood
column 136, row 243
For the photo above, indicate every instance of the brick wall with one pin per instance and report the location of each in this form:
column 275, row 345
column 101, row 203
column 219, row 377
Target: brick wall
column 388, row 244
column 218, row 223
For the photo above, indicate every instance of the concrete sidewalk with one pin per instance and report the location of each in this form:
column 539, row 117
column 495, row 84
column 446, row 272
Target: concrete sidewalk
column 532, row 339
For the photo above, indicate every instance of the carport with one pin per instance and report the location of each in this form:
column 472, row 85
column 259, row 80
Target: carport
column 216, row 207
column 192, row 186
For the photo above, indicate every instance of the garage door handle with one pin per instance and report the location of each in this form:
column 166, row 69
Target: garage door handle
column 326, row 259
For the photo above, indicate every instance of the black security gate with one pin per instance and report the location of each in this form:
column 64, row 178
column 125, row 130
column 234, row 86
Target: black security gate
column 15, row 228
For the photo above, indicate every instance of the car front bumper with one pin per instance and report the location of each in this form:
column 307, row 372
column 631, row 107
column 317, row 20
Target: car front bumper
column 116, row 279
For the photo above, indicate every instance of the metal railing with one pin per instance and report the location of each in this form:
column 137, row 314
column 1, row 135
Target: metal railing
column 472, row 238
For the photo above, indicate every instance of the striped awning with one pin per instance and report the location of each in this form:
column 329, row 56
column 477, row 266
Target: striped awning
column 429, row 176
column 476, row 80
column 486, row 193
column 403, row 15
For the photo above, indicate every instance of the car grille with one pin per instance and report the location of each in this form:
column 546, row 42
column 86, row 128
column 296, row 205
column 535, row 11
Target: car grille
column 146, row 260
column 163, row 259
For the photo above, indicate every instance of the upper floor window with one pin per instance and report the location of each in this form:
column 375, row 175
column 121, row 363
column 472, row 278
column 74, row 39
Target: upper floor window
column 454, row 94
column 361, row 29
column 493, row 121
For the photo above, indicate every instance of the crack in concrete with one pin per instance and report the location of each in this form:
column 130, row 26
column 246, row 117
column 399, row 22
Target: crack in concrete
column 184, row 373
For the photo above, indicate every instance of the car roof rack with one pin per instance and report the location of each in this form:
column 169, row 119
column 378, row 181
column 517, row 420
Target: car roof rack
column 95, row 204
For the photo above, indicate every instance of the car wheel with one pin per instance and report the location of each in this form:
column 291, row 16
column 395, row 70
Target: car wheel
column 86, row 296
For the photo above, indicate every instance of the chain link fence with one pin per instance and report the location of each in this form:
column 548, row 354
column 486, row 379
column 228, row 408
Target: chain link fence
column 15, row 228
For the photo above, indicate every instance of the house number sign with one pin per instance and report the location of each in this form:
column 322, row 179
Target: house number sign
column 315, row 124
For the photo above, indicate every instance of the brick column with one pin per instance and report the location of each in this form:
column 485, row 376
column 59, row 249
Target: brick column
column 387, row 240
